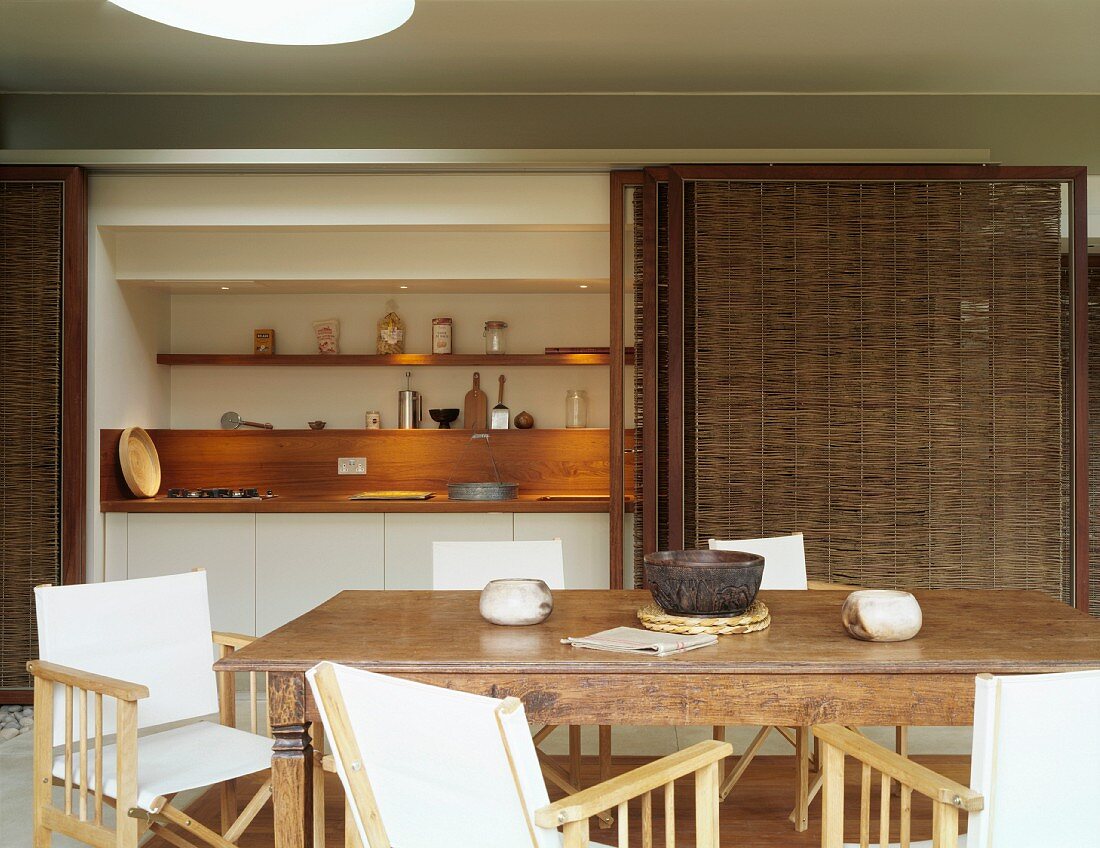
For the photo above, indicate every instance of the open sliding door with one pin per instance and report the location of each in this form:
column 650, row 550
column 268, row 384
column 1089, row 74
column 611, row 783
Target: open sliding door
column 43, row 305
column 640, row 265
column 888, row 359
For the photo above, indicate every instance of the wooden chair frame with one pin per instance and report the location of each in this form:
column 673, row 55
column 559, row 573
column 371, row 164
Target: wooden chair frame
column 85, row 822
column 947, row 796
column 570, row 780
column 572, row 813
column 805, row 746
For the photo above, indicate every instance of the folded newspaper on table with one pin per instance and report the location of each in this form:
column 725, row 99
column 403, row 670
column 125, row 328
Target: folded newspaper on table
column 634, row 640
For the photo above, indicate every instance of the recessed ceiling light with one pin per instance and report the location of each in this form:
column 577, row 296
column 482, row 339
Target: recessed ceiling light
column 278, row 21
column 583, row 286
column 404, row 287
column 225, row 288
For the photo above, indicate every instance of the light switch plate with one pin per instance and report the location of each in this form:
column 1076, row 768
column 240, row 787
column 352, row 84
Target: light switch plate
column 351, row 465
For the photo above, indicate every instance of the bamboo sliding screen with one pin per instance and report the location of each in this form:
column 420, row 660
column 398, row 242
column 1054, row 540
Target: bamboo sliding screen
column 31, row 240
column 660, row 327
column 885, row 366
column 1094, row 431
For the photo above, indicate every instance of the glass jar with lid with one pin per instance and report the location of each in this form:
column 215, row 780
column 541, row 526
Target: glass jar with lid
column 576, row 408
column 495, row 337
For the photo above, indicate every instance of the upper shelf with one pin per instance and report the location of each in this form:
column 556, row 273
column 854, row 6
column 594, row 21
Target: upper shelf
column 452, row 359
column 404, row 286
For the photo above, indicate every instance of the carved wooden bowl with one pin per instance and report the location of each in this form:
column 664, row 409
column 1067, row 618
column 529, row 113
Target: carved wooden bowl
column 704, row 583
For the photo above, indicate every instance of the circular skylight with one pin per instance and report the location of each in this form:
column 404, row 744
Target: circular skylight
column 278, row 21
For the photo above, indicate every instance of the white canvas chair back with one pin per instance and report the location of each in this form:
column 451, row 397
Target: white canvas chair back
column 1036, row 761
column 784, row 558
column 154, row 631
column 446, row 768
column 470, row 565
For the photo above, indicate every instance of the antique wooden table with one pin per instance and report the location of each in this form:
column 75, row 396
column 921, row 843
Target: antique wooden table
column 803, row 670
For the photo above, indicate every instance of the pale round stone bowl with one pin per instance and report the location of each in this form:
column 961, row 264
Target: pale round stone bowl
column 516, row 601
column 881, row 615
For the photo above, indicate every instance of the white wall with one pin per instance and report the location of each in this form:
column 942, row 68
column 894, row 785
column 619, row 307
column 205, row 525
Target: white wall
column 125, row 386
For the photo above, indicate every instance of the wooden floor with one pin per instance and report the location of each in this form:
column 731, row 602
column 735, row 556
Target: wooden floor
column 754, row 815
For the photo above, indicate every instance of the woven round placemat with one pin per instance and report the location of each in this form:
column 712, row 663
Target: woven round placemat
column 756, row 618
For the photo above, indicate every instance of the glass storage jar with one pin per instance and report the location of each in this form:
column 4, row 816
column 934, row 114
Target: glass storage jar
column 495, row 337
column 576, row 408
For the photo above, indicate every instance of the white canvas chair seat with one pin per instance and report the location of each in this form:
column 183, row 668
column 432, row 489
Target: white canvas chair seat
column 471, row 565
column 1034, row 767
column 122, row 657
column 169, row 762
column 784, row 559
column 425, row 766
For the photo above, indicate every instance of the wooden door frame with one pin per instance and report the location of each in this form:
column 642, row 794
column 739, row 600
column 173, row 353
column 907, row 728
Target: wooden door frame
column 74, row 359
column 1074, row 177
column 651, row 411
column 620, row 180
column 645, row 501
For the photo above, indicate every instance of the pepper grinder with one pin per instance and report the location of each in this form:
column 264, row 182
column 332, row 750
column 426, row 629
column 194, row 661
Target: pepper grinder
column 410, row 406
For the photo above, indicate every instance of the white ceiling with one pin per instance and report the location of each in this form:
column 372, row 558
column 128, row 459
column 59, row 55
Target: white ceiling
column 540, row 46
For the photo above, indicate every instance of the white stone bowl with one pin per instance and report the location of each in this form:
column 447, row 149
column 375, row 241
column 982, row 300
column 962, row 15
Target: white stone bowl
column 516, row 601
column 881, row 615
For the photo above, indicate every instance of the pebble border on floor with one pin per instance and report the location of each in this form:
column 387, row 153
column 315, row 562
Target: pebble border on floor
column 15, row 719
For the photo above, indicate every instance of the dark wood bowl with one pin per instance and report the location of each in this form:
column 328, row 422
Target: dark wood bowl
column 704, row 583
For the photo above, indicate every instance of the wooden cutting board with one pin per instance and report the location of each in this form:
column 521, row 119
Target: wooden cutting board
column 475, row 411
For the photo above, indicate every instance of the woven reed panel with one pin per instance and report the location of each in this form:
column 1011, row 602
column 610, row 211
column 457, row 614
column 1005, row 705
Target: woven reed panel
column 640, row 331
column 882, row 366
column 1094, row 435
column 30, row 420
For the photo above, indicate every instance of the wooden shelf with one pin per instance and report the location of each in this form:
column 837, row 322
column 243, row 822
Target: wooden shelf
column 402, row 359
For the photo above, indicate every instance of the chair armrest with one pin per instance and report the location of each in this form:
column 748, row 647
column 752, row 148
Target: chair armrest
column 110, row 686
column 611, row 793
column 232, row 640
column 920, row 778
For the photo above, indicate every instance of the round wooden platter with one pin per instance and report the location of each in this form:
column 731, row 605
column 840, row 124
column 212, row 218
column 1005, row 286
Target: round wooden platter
column 757, row 617
column 140, row 463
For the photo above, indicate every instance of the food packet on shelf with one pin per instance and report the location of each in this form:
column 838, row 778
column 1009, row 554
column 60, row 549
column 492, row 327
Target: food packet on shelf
column 328, row 335
column 391, row 331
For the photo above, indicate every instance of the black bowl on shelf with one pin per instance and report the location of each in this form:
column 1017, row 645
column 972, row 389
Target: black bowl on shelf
column 704, row 583
column 444, row 417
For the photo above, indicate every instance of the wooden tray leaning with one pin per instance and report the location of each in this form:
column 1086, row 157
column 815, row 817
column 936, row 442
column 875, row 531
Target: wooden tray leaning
column 140, row 463
column 756, row 618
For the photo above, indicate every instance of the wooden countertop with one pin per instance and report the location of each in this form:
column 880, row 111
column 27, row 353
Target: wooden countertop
column 340, row 503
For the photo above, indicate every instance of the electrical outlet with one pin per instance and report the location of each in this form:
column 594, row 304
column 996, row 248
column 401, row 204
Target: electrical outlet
column 351, row 465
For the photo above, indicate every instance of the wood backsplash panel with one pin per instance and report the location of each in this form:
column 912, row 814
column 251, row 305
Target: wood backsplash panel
column 303, row 462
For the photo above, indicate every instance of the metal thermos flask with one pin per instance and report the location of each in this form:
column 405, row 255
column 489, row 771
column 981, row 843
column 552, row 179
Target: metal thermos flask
column 410, row 406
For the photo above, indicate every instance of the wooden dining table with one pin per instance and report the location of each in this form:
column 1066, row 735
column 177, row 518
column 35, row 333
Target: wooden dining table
column 803, row 670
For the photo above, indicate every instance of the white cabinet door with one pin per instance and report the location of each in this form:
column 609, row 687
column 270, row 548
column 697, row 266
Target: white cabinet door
column 304, row 559
column 225, row 545
column 585, row 542
column 409, row 541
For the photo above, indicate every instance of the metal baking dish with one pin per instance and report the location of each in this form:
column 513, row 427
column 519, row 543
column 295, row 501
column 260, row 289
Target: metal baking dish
column 494, row 491
column 482, row 491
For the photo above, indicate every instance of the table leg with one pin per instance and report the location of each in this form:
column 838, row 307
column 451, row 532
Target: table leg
column 802, row 766
column 718, row 734
column 291, row 761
